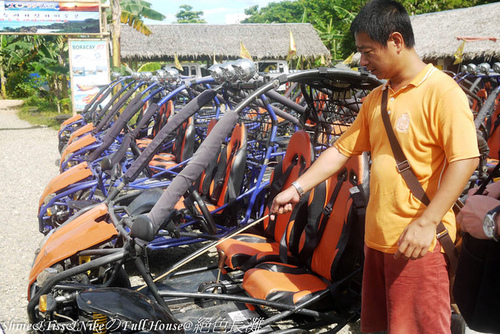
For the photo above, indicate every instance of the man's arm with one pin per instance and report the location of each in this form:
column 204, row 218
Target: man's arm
column 418, row 236
column 472, row 214
column 327, row 164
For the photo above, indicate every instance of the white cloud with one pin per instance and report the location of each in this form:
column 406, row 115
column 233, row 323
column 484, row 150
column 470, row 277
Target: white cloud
column 235, row 18
column 225, row 15
column 217, row 11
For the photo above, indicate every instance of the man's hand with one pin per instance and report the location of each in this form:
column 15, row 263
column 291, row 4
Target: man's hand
column 416, row 239
column 327, row 164
column 493, row 190
column 472, row 214
column 284, row 202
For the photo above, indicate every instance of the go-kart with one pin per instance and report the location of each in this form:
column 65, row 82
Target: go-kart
column 78, row 282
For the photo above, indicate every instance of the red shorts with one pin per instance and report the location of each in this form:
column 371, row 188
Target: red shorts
column 405, row 296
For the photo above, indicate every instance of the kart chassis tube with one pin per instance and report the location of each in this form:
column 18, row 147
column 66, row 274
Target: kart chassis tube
column 68, row 273
column 240, row 299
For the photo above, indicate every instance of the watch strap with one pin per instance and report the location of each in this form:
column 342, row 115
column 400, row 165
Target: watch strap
column 299, row 189
column 494, row 210
column 495, row 227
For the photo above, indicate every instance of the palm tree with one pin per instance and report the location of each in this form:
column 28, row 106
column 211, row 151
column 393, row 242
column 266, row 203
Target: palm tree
column 130, row 12
column 332, row 33
column 329, row 35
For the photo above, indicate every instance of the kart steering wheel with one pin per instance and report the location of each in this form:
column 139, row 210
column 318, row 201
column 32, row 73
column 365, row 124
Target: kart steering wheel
column 197, row 204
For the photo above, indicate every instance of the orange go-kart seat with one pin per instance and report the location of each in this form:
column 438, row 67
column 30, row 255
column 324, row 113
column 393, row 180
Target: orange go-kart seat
column 329, row 261
column 241, row 247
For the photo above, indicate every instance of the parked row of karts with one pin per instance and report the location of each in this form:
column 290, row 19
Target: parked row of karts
column 481, row 84
column 156, row 161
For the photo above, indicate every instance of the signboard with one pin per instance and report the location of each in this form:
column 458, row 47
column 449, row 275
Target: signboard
column 50, row 17
column 89, row 69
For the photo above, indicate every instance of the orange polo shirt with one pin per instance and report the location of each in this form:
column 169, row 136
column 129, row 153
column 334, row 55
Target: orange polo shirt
column 434, row 126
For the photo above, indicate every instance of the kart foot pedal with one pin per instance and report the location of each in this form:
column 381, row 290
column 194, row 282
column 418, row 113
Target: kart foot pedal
column 211, row 287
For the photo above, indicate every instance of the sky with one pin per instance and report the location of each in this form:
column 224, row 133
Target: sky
column 214, row 11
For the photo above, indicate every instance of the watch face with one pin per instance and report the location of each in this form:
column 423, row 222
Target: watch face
column 489, row 226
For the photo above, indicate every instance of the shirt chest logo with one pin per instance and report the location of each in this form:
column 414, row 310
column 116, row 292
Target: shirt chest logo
column 403, row 123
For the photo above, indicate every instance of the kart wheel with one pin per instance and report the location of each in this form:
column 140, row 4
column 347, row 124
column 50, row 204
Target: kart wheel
column 62, row 145
column 122, row 279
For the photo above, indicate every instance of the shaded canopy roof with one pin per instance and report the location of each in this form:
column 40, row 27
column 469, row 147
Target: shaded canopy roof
column 436, row 33
column 203, row 41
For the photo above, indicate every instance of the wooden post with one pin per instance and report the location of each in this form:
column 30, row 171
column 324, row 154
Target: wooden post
column 116, row 13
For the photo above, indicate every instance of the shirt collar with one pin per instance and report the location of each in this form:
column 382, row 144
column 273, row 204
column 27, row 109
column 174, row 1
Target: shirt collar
column 423, row 75
column 419, row 79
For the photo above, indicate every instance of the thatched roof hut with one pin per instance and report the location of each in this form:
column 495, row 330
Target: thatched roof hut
column 203, row 41
column 436, row 34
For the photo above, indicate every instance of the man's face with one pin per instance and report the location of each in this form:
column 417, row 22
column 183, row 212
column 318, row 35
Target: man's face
column 377, row 58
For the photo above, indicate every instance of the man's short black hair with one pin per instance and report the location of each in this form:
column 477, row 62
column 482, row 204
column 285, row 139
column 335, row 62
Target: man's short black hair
column 380, row 18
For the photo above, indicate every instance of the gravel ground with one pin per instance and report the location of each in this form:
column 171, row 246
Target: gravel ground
column 27, row 164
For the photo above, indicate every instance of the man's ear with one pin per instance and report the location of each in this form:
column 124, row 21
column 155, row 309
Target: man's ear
column 397, row 40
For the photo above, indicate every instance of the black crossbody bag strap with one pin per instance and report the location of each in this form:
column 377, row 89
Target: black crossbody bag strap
column 315, row 232
column 404, row 168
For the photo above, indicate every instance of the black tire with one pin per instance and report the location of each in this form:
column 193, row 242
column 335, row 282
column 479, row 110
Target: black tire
column 62, row 145
column 144, row 202
column 122, row 279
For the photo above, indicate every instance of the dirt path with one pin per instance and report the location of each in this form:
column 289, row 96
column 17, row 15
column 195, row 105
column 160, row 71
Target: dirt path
column 27, row 164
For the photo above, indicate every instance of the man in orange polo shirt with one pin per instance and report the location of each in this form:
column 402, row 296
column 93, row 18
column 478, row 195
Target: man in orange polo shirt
column 405, row 282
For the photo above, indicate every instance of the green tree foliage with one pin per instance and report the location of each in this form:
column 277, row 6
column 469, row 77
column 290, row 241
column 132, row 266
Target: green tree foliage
column 35, row 65
column 188, row 15
column 276, row 12
column 149, row 67
column 130, row 12
column 133, row 11
column 332, row 18
column 415, row 7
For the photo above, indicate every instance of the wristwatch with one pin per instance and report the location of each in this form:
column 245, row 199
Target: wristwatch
column 490, row 225
column 299, row 189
